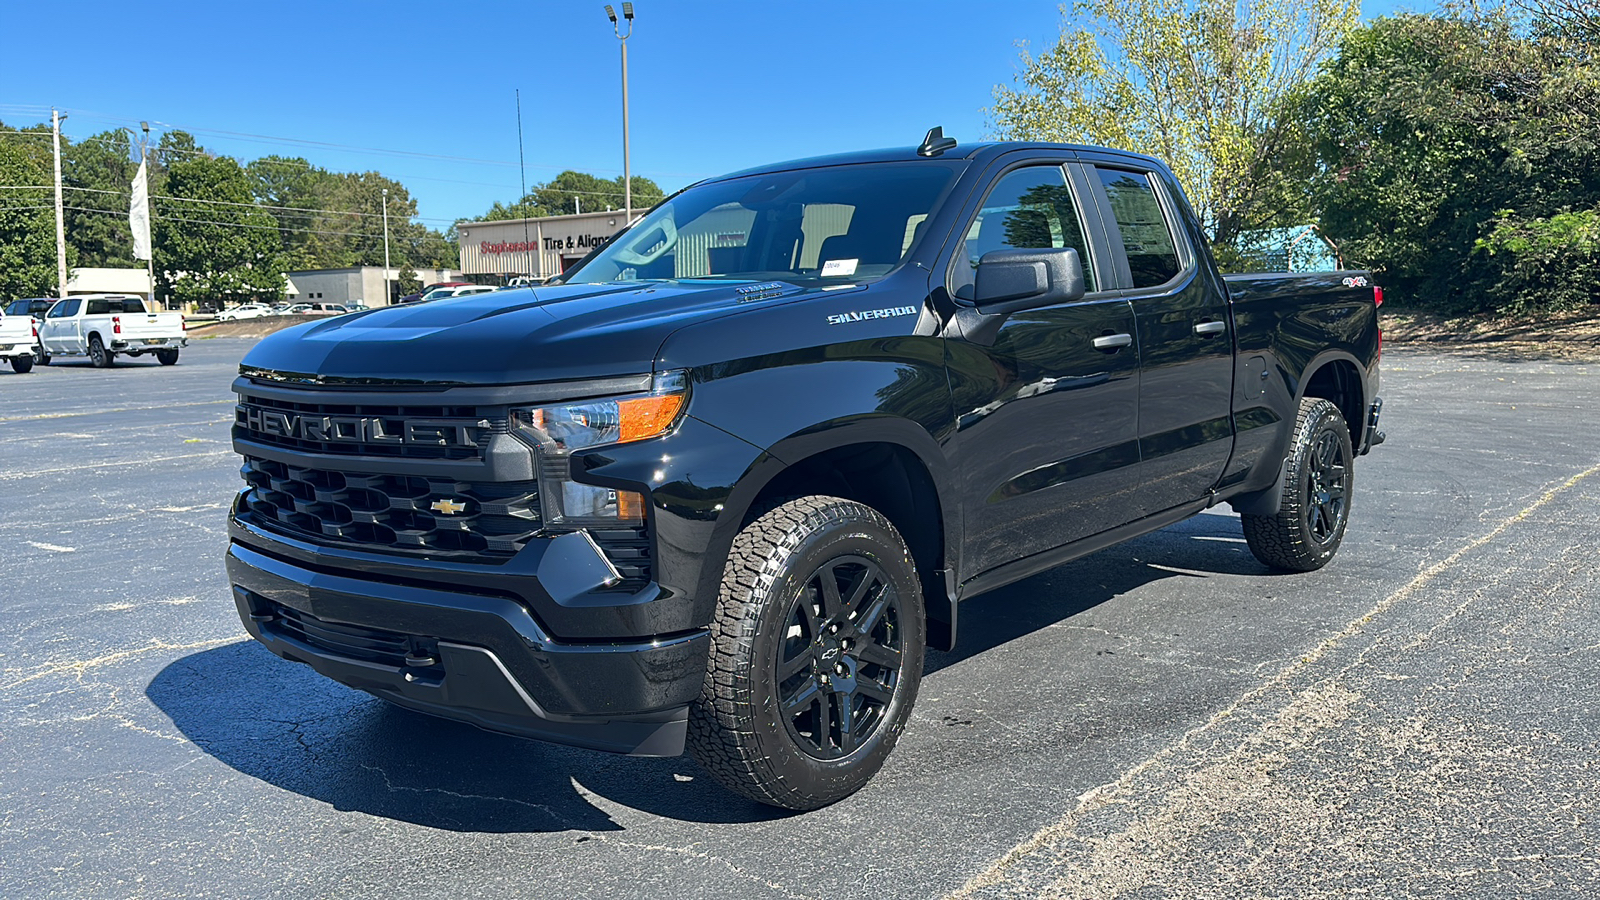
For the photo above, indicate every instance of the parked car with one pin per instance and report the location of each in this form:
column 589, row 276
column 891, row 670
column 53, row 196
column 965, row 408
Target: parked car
column 728, row 512
column 318, row 309
column 444, row 293
column 427, row 289
column 356, row 307
column 19, row 338
column 100, row 326
column 245, row 311
column 35, row 307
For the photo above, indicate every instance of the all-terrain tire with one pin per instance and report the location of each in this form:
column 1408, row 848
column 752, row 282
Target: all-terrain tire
column 1319, row 479
column 98, row 354
column 22, row 365
column 167, row 357
column 809, row 687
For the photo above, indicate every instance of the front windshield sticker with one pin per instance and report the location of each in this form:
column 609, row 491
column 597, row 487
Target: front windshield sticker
column 865, row 314
column 839, row 267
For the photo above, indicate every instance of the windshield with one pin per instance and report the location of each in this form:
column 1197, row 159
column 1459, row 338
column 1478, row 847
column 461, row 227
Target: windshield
column 804, row 226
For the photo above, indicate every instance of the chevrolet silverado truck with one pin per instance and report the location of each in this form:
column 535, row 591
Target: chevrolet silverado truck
column 101, row 326
column 720, row 487
column 18, row 341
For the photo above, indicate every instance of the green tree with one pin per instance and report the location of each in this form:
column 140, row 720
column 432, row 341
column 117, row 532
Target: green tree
column 1459, row 156
column 27, row 214
column 1200, row 84
column 573, row 192
column 211, row 241
column 335, row 219
column 97, row 176
column 408, row 283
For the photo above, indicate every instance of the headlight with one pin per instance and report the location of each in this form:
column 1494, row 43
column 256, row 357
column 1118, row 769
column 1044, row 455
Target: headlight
column 562, row 429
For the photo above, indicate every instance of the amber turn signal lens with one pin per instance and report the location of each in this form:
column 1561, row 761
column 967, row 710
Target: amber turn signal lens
column 644, row 417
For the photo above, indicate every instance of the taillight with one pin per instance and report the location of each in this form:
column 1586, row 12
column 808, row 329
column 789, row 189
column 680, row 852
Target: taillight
column 1377, row 295
column 116, row 324
column 185, row 321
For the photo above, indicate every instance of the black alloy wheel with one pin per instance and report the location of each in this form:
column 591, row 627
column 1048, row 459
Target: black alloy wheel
column 1328, row 469
column 99, row 356
column 841, row 657
column 1318, row 481
column 816, row 655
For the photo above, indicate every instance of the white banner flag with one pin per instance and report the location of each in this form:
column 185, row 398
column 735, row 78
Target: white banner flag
column 139, row 215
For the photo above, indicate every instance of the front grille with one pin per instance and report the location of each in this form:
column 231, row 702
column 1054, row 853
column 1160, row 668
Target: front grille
column 392, row 512
column 478, row 424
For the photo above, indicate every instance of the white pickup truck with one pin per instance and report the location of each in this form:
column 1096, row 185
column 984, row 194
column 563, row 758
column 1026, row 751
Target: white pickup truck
column 100, row 326
column 17, row 336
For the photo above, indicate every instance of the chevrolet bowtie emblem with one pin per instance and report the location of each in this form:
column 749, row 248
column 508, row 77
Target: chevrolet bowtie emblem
column 447, row 507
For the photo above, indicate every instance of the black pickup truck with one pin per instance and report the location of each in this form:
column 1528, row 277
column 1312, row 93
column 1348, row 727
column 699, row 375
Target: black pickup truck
column 722, row 485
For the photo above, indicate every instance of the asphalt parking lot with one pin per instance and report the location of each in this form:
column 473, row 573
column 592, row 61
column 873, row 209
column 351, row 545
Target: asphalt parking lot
column 1163, row 719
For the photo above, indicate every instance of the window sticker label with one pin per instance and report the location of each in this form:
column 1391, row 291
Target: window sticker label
column 839, row 267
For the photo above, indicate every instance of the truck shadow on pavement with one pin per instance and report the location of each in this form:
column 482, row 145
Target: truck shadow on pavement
column 1206, row 545
column 282, row 723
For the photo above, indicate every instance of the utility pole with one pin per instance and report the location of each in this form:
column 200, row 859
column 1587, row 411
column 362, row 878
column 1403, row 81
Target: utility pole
column 61, row 227
column 627, row 173
column 386, row 294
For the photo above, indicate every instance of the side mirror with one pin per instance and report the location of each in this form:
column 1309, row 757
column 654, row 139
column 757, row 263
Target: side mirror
column 1010, row 281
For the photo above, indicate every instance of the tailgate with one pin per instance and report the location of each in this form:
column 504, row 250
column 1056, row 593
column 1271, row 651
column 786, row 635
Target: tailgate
column 144, row 326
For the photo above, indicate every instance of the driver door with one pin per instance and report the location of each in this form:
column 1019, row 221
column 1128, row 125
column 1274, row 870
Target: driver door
column 1046, row 417
column 59, row 330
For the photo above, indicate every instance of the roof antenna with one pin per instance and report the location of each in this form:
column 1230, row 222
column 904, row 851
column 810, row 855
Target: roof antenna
column 935, row 143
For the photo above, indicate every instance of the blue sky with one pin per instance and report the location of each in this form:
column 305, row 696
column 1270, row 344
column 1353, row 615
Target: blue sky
column 424, row 92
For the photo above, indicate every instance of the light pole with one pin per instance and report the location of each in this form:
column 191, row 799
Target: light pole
column 627, row 173
column 387, row 296
column 61, row 230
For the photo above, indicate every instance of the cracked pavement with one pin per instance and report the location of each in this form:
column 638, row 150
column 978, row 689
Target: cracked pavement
column 1162, row 719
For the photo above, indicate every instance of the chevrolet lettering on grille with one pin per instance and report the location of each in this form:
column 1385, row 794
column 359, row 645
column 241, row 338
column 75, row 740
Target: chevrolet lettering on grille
column 358, row 429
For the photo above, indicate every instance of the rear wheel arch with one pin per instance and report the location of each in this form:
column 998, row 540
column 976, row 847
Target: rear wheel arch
column 1336, row 377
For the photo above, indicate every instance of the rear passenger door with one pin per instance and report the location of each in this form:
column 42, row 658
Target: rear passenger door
column 1045, row 415
column 1185, row 339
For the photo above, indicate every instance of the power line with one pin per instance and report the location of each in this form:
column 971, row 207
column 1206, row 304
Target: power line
column 351, row 147
column 118, row 212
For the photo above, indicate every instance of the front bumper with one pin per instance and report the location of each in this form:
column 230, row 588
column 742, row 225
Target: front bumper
column 476, row 658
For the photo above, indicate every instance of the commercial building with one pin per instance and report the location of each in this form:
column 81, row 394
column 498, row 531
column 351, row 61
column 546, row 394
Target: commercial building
column 539, row 247
column 91, row 280
column 358, row 284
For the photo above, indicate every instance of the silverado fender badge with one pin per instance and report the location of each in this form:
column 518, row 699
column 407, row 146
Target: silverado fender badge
column 447, row 507
column 862, row 315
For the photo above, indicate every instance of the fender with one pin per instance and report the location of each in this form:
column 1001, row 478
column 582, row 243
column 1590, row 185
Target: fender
column 843, row 432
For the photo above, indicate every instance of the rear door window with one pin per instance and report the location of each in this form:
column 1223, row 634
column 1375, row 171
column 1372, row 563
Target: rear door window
column 1146, row 235
column 1030, row 208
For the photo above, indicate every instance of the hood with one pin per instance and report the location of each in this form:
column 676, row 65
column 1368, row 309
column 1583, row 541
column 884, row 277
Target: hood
column 551, row 333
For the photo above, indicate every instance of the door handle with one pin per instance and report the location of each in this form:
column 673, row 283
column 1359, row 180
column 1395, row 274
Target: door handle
column 1112, row 342
column 1209, row 328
